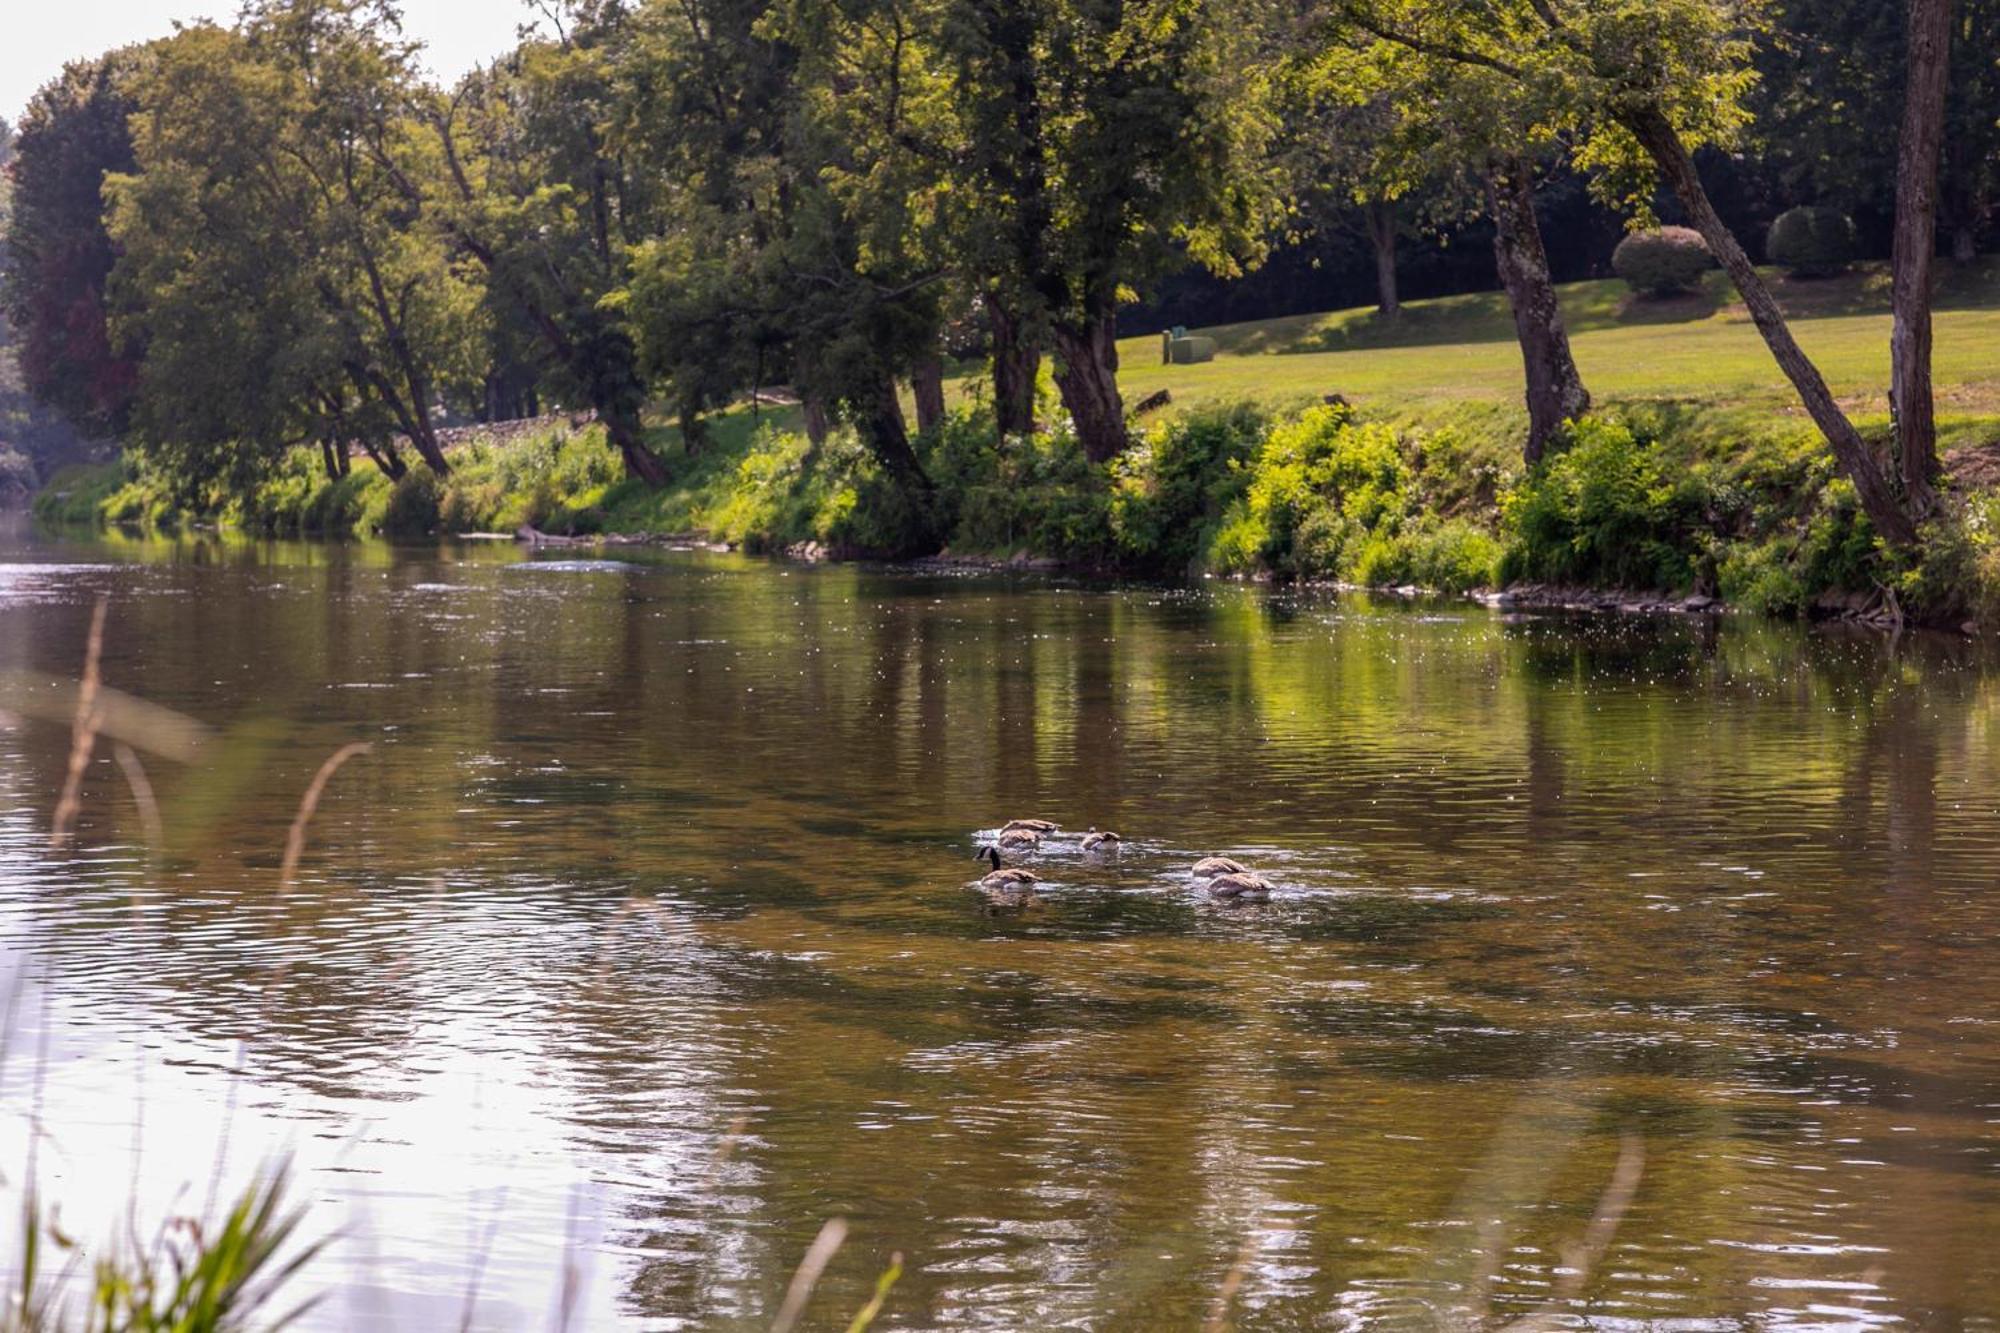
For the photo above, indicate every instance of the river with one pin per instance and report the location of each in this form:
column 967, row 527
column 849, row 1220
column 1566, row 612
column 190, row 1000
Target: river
column 1645, row 968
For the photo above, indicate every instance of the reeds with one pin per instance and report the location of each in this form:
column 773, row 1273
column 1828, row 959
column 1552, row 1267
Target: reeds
column 190, row 1279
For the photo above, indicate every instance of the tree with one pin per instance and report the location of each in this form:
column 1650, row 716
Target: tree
column 1555, row 391
column 1098, row 144
column 532, row 191
column 1428, row 118
column 271, row 264
column 1363, row 161
column 1916, row 246
column 794, row 231
column 60, row 256
column 1660, row 77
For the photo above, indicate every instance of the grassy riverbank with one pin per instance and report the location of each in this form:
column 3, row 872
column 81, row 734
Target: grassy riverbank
column 1698, row 474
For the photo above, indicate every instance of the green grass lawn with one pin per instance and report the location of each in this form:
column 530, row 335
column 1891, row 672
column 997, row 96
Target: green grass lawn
column 1697, row 349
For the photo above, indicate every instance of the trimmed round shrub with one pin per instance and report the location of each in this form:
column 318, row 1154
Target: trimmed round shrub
column 1662, row 262
column 1811, row 242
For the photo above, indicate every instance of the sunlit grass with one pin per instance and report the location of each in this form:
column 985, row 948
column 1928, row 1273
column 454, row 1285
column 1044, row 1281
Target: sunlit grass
column 1701, row 349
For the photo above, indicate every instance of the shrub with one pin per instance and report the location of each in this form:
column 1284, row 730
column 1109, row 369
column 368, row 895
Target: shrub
column 1320, row 488
column 1662, row 262
column 78, row 493
column 1603, row 510
column 412, row 509
column 1811, row 242
column 1762, row 578
column 1036, row 494
column 1180, row 482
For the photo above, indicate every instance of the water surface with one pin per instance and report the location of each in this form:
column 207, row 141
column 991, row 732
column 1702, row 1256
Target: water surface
column 640, row 945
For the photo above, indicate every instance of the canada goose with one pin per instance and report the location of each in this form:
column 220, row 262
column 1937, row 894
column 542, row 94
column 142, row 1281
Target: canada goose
column 1020, row 837
column 1094, row 841
column 1036, row 826
column 1002, row 877
column 1242, row 887
column 1211, row 866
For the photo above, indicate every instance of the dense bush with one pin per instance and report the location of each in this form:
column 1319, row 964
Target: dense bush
column 1037, row 494
column 1662, row 262
column 1604, row 510
column 1177, row 484
column 1331, row 498
column 1811, row 242
column 413, row 505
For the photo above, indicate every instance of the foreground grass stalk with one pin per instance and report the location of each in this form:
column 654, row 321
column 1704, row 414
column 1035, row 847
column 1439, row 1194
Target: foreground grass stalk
column 818, row 1255
column 295, row 841
column 866, row 1316
column 83, row 731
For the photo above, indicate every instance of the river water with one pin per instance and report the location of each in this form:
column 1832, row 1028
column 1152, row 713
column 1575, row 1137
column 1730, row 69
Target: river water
column 1645, row 969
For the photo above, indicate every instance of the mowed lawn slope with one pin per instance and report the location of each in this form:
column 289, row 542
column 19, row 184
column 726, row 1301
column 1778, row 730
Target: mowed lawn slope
column 1701, row 349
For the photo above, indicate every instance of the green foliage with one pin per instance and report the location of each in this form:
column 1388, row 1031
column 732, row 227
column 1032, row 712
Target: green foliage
column 412, row 510
column 76, row 494
column 1036, row 494
column 1663, row 261
column 1442, row 555
column 1832, row 92
column 1811, row 242
column 1604, row 509
column 1319, row 488
column 1181, row 482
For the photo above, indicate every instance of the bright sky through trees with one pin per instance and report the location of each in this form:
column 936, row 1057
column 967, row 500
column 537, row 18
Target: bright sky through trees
column 36, row 38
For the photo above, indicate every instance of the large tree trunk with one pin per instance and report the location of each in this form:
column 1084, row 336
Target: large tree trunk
column 888, row 435
column 1910, row 400
column 1555, row 390
column 1087, row 374
column 818, row 421
column 694, row 427
column 641, row 462
column 1381, row 215
column 1878, row 499
column 927, row 382
column 1017, row 364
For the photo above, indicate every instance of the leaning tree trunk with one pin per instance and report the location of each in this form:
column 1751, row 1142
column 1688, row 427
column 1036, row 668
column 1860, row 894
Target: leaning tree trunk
column 1087, row 374
column 1017, row 364
column 624, row 429
column 1650, row 126
column 888, row 435
column 1910, row 399
column 1381, row 215
column 1555, row 390
column 387, row 461
column 927, row 382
